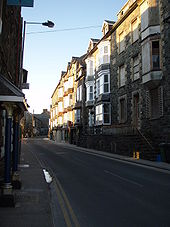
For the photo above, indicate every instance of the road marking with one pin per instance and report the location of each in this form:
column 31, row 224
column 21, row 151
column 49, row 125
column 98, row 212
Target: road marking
column 62, row 205
column 124, row 179
column 62, row 198
column 73, row 216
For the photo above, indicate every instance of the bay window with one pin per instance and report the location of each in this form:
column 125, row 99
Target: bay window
column 103, row 84
column 103, row 114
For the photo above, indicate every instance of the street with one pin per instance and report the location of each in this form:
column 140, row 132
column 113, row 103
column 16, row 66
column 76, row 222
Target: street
column 90, row 190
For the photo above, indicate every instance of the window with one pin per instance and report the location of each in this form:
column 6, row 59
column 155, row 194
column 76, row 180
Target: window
column 79, row 93
column 91, row 118
column 70, row 100
column 155, row 55
column 103, row 113
column 121, row 42
column 122, row 110
column 104, row 54
column 70, row 82
column 136, row 67
column 122, row 77
column 66, row 102
column 135, row 32
column 103, row 84
column 106, row 83
column 60, row 107
column 60, row 93
column 154, row 102
column 90, row 92
column 99, row 115
column 98, row 87
column 77, row 116
column 65, row 86
column 106, row 112
column 90, row 70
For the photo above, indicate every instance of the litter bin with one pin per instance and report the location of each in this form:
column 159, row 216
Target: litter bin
column 165, row 152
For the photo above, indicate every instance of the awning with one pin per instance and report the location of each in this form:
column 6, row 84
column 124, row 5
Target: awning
column 9, row 93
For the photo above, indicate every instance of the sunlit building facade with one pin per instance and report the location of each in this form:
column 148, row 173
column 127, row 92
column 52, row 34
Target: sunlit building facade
column 121, row 103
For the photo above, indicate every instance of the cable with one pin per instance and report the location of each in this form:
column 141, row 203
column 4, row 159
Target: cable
column 63, row 30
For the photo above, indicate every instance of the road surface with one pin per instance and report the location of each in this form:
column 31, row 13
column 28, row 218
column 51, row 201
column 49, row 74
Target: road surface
column 95, row 191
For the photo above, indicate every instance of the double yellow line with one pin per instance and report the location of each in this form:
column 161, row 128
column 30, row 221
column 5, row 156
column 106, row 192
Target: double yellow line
column 68, row 213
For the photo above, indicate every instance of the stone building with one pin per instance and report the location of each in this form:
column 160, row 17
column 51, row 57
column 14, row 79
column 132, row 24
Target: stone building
column 139, row 88
column 12, row 99
column 127, row 92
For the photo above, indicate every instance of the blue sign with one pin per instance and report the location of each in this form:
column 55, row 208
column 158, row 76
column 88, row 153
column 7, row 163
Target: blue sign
column 24, row 3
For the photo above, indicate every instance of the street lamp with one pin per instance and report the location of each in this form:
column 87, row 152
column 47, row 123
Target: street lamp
column 48, row 24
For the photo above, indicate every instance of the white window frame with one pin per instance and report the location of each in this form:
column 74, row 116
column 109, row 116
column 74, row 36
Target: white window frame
column 104, row 56
column 90, row 66
column 100, row 83
column 79, row 93
column 88, row 92
column 100, row 114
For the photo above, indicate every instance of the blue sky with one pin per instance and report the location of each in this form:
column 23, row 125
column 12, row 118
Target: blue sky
column 47, row 53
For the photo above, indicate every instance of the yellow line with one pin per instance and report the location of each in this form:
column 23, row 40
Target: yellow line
column 73, row 216
column 61, row 202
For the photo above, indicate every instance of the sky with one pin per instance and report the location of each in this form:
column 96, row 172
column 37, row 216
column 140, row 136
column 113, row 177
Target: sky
column 48, row 50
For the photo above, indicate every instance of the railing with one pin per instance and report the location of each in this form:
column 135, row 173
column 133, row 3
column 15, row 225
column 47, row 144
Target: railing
column 145, row 139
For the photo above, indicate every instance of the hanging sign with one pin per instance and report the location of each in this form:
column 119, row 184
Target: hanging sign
column 23, row 3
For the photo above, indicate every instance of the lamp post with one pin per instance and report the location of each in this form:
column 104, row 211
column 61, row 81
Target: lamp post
column 48, row 24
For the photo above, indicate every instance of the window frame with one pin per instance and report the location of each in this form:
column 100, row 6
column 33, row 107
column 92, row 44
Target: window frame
column 133, row 30
column 124, row 118
column 151, row 58
column 135, row 66
column 100, row 114
column 120, row 76
column 121, row 43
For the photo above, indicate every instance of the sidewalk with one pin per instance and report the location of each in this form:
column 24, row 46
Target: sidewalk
column 157, row 165
column 32, row 201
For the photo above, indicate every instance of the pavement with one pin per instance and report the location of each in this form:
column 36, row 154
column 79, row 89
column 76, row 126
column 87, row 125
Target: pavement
column 33, row 205
column 33, row 201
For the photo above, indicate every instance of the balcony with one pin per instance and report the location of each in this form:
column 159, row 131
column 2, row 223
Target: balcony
column 152, row 79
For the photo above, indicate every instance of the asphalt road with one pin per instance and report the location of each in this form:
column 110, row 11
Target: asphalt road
column 94, row 191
